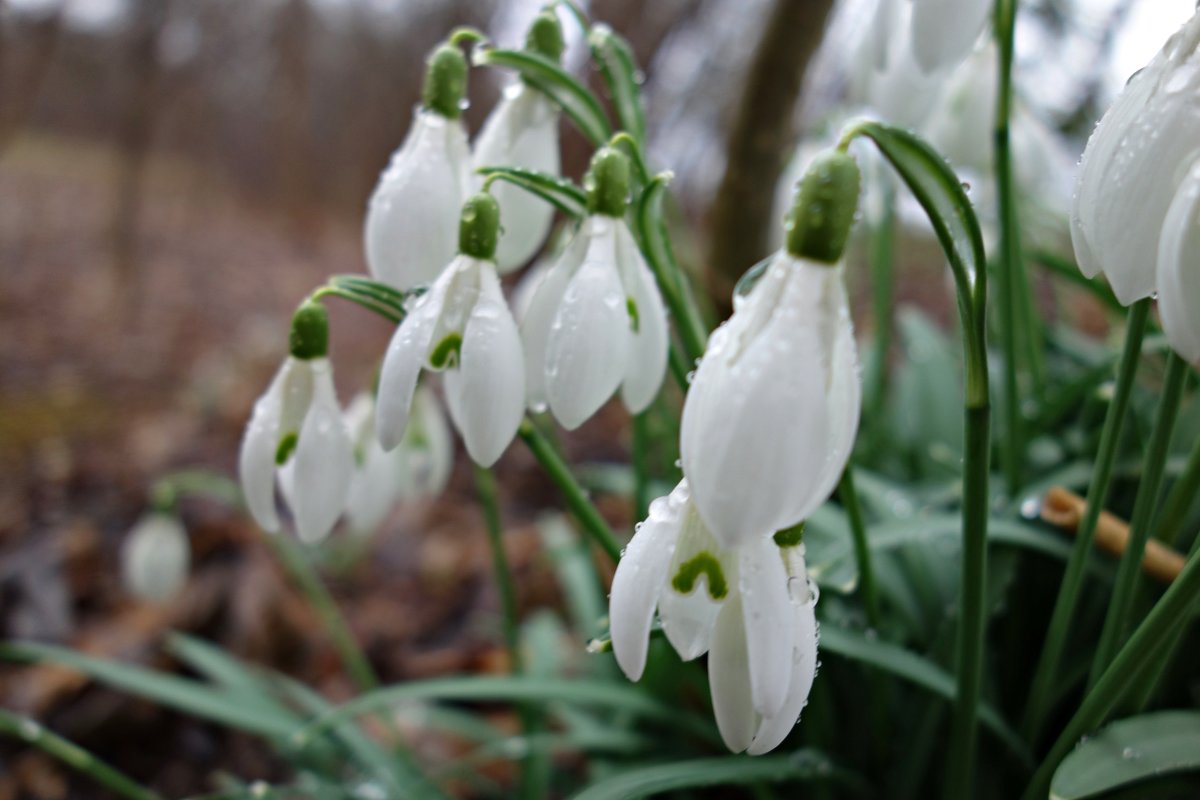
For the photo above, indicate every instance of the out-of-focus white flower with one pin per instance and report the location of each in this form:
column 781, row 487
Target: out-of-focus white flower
column 412, row 218
column 461, row 327
column 884, row 75
column 417, row 468
column 944, row 31
column 596, row 321
column 771, row 415
column 522, row 131
column 1133, row 166
column 298, row 424
column 155, row 557
column 737, row 604
column 1179, row 267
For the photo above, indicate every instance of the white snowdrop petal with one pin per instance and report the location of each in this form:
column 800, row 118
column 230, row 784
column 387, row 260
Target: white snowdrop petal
column 647, row 363
column 1179, row 268
column 155, row 557
column 756, row 419
column 769, row 624
column 402, row 364
column 639, row 579
column 539, row 315
column 729, row 678
column 688, row 618
column 411, row 229
column 944, row 31
column 436, row 445
column 522, row 131
column 324, row 461
column 487, row 388
column 374, row 488
column 589, row 338
column 256, row 458
column 774, row 729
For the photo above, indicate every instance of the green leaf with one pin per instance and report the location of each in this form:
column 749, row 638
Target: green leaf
column 558, row 192
column 526, row 689
column 179, row 693
column 240, row 681
column 928, row 404
column 902, row 663
column 575, row 99
column 803, row 765
column 1129, row 751
column 613, row 55
column 1069, row 271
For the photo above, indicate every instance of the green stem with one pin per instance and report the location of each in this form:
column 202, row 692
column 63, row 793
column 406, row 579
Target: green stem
column 1180, row 499
column 1144, row 508
column 34, row 734
column 1046, row 672
column 370, row 302
column 882, row 290
column 296, row 561
column 1146, row 644
column 1154, row 676
column 485, row 485
column 577, row 499
column 1011, row 265
column 973, row 608
column 862, row 549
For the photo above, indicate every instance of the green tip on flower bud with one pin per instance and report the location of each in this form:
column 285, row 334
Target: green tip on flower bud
column 309, row 337
column 479, row 227
column 445, row 81
column 607, row 183
column 819, row 222
column 545, row 36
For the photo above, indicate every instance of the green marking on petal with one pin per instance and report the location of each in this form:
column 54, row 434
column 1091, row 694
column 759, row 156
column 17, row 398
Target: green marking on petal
column 634, row 319
column 447, row 351
column 703, row 563
column 286, row 445
column 790, row 537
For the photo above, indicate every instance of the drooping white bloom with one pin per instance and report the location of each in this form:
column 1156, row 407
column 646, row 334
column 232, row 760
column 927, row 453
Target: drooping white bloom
column 521, row 131
column 596, row 322
column 417, row 468
column 944, row 31
column 298, row 424
column 749, row 607
column 771, row 415
column 1179, row 267
column 461, row 327
column 1133, row 166
column 411, row 230
column 155, row 557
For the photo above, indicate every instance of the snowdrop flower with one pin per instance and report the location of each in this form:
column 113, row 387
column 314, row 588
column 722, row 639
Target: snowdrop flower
column 522, row 131
column 155, row 557
column 1133, row 169
column 410, row 232
column 770, row 418
column 1179, row 267
column 596, row 321
column 750, row 608
column 297, row 425
column 944, row 31
column 419, row 467
column 461, row 327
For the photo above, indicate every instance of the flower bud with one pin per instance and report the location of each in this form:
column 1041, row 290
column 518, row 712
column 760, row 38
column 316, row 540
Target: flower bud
column 479, row 227
column 607, row 183
column 155, row 557
column 309, row 337
column 822, row 213
column 545, row 35
column 445, row 81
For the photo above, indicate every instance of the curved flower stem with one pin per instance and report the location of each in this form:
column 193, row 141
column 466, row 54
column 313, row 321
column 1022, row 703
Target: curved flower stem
column 370, row 302
column 881, row 235
column 577, row 499
column 1145, row 507
column 1011, row 271
column 1146, row 645
column 862, row 549
column 298, row 565
column 1046, row 672
column 33, row 733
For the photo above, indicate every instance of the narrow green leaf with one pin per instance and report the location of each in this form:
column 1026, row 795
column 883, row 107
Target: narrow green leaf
column 803, row 765
column 575, row 99
column 894, row 659
column 558, row 192
column 1129, row 751
column 178, row 693
column 241, row 681
column 1069, row 271
column 613, row 55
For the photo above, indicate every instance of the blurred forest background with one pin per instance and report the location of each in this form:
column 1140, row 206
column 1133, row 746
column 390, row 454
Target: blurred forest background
column 175, row 175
